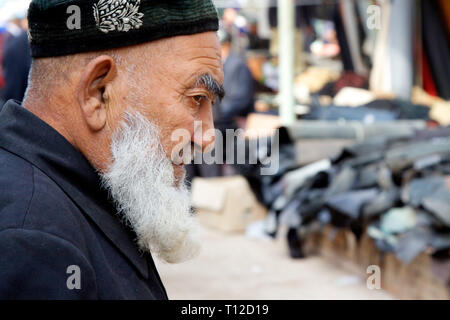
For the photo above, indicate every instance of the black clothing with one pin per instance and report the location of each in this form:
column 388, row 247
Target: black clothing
column 54, row 214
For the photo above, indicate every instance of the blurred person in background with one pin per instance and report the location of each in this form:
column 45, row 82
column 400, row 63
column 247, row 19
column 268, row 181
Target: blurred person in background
column 3, row 35
column 15, row 57
column 238, row 84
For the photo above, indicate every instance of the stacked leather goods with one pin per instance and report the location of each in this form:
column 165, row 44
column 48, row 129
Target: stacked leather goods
column 395, row 189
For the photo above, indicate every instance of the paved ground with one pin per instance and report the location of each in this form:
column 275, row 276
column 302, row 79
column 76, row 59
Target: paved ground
column 237, row 267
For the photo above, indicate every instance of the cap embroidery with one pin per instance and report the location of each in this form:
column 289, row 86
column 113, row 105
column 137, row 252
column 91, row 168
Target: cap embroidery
column 118, row 15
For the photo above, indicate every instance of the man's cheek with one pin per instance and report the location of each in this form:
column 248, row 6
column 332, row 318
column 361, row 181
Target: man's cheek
column 180, row 147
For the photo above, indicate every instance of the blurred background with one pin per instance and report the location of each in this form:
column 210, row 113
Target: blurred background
column 359, row 208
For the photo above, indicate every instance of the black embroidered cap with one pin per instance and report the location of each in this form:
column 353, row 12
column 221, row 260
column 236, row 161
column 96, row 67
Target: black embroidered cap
column 63, row 27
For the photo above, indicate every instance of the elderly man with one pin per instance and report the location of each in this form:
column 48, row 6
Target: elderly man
column 89, row 187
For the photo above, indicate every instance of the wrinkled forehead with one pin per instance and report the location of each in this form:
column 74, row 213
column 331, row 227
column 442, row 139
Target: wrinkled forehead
column 193, row 55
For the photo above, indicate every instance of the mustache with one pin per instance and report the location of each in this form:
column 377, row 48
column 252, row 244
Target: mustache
column 194, row 148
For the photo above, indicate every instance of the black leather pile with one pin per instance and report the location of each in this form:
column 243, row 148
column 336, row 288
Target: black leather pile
column 396, row 189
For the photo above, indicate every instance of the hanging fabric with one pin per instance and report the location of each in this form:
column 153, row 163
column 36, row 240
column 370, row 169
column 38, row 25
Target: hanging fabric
column 380, row 77
column 401, row 48
column 342, row 40
column 445, row 10
column 350, row 19
column 428, row 82
column 436, row 46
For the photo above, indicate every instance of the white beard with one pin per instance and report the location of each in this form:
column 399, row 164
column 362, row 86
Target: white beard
column 142, row 183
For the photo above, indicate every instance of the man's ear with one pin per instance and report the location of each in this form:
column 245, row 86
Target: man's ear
column 91, row 90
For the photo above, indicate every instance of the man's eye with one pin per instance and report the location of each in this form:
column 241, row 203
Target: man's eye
column 200, row 99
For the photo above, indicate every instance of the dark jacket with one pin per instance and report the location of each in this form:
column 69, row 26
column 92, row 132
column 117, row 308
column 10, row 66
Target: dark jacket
column 54, row 215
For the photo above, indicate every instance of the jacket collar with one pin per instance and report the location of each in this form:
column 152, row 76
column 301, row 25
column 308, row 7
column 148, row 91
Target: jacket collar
column 27, row 136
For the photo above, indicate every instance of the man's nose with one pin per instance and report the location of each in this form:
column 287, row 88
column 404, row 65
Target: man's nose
column 204, row 135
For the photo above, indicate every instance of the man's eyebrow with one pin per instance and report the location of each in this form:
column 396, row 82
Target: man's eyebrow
column 208, row 82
